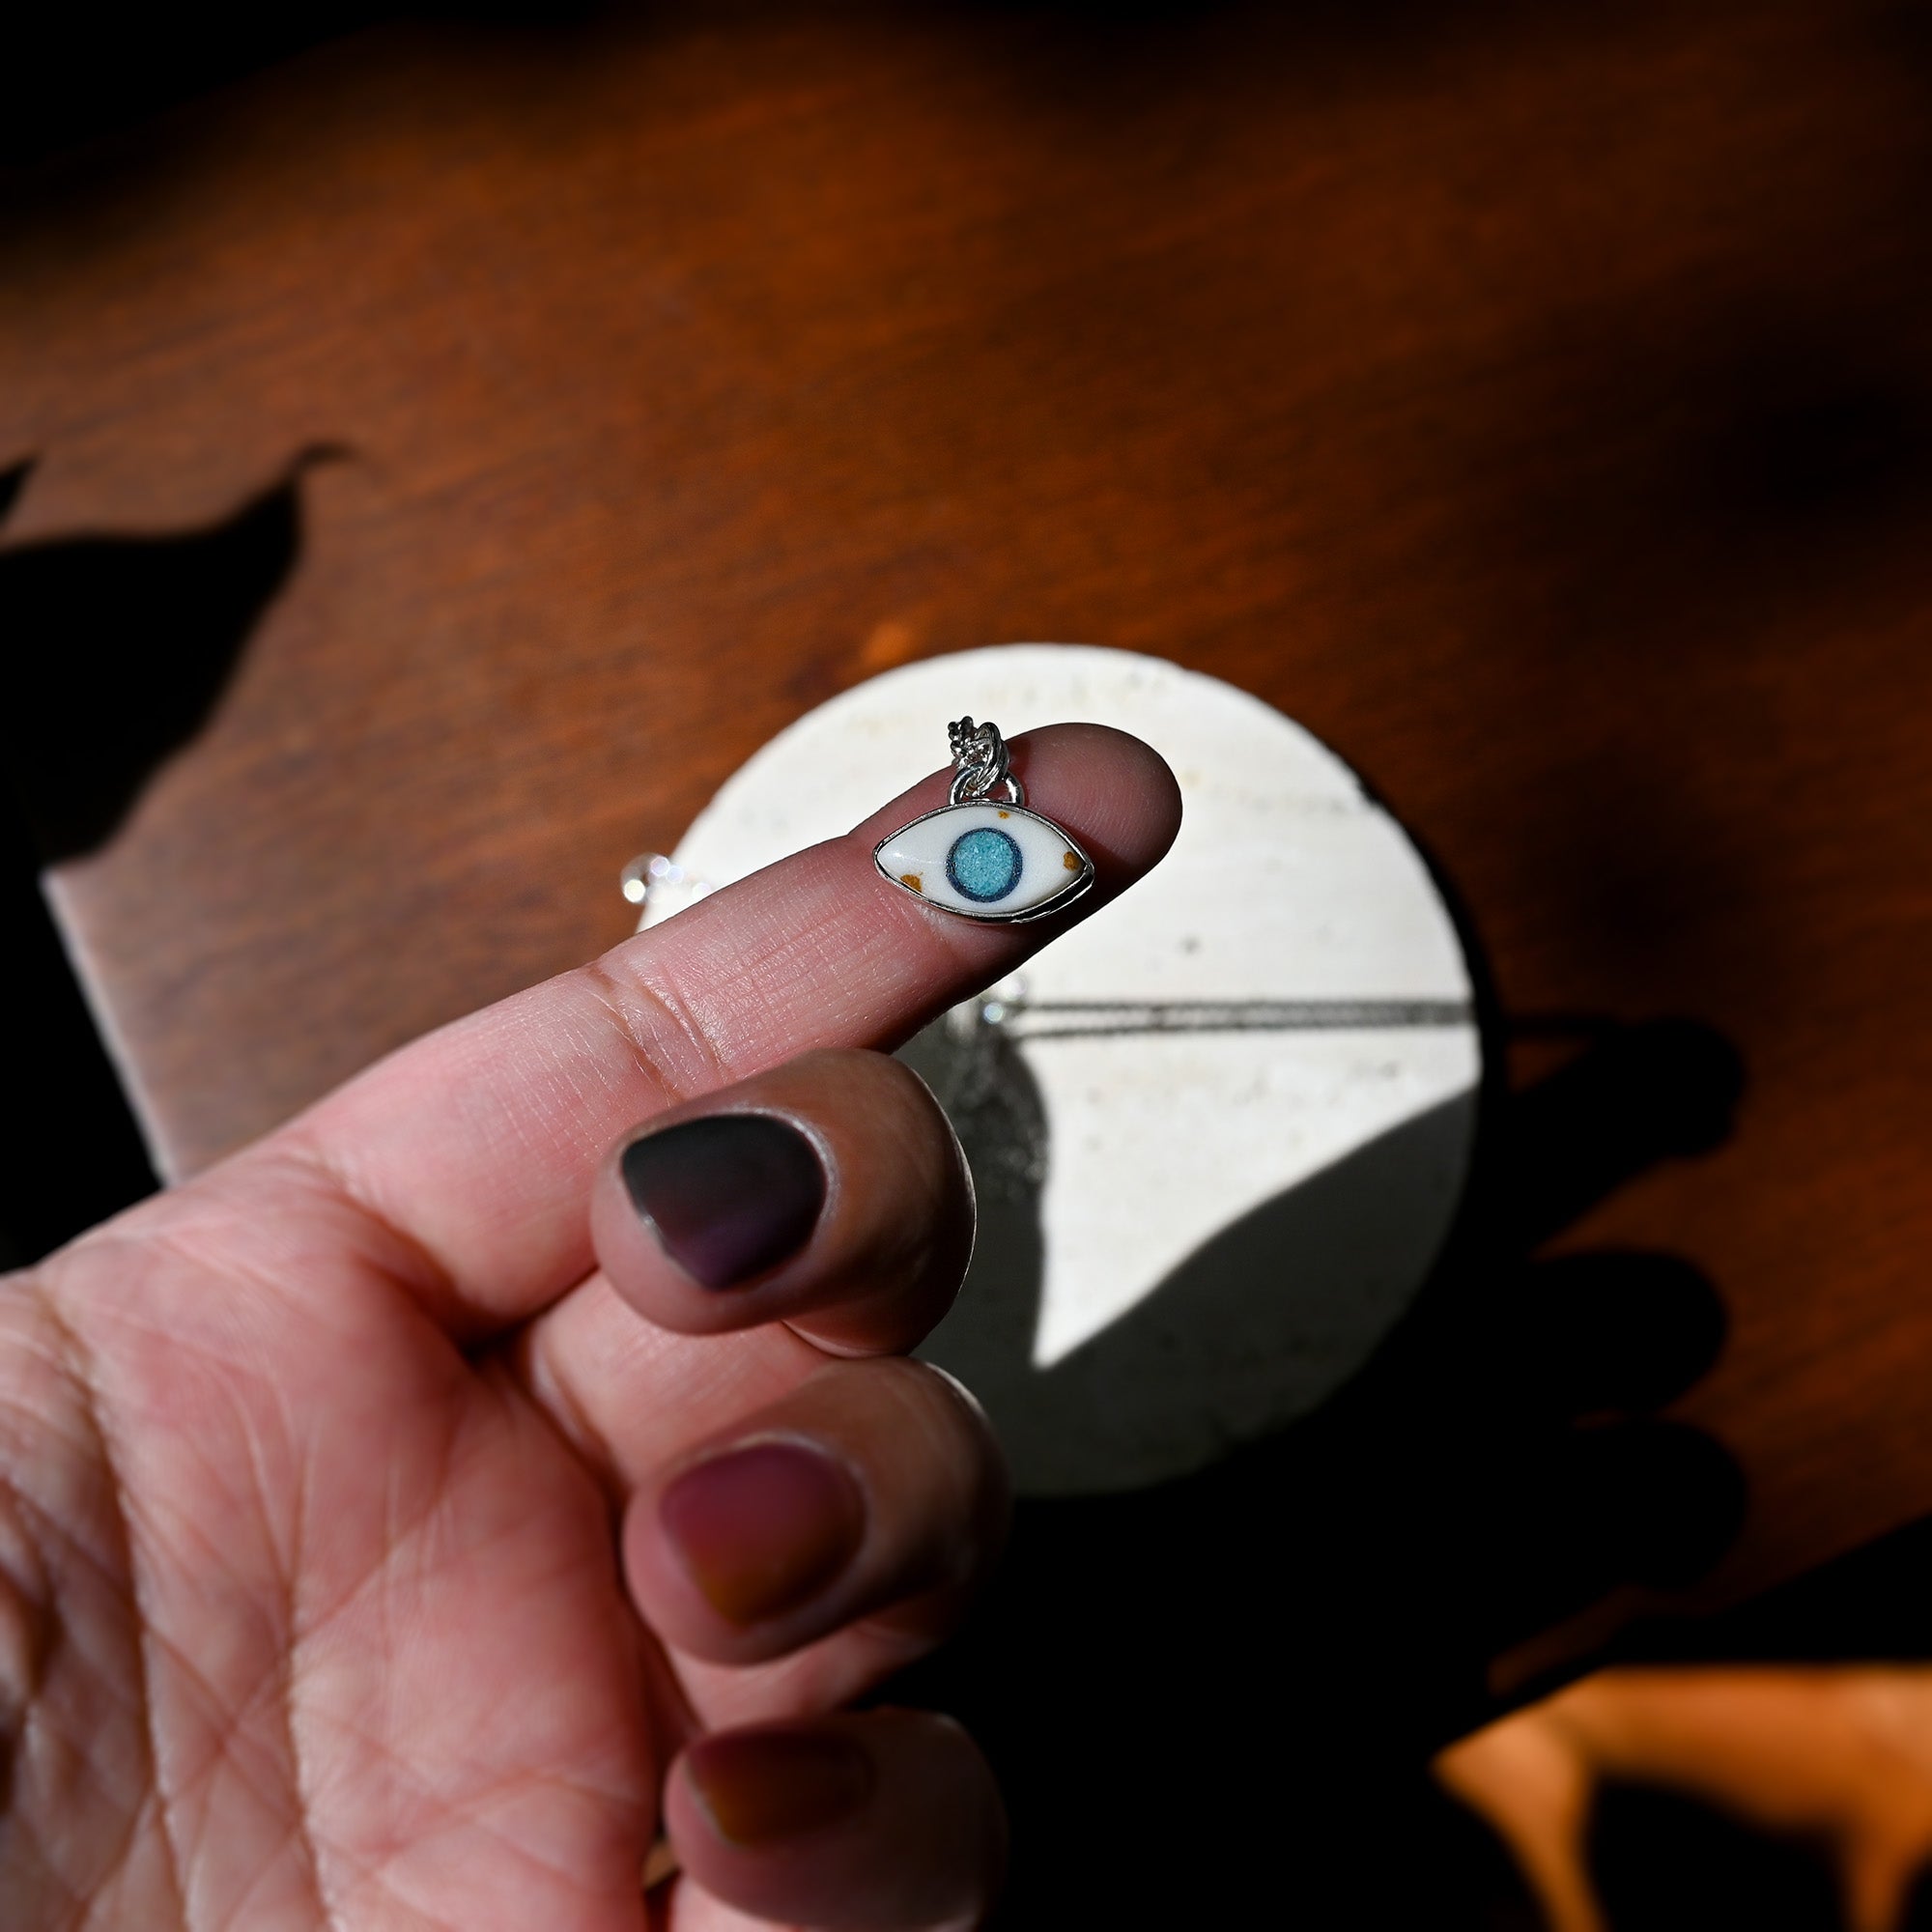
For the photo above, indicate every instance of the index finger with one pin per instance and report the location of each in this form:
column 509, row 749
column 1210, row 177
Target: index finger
column 478, row 1142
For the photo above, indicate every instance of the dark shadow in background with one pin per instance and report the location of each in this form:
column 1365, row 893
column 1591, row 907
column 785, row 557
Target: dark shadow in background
column 69, row 75
column 113, row 653
column 1259, row 1325
column 76, row 75
column 117, row 648
column 1243, row 1672
column 1664, row 1863
column 70, row 1153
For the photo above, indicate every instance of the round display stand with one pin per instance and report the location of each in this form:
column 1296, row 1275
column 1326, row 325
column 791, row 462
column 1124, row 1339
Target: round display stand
column 1219, row 1130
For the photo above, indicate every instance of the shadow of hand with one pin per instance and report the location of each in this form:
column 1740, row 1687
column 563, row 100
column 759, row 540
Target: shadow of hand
column 1265, row 1653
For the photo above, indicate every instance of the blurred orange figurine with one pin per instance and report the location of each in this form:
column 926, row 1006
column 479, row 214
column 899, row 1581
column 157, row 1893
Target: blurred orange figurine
column 1839, row 1755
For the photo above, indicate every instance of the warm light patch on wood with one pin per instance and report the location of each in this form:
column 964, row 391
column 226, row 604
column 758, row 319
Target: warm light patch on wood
column 889, row 642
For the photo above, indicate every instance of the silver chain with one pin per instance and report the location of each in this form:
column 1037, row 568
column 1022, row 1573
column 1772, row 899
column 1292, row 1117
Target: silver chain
column 983, row 763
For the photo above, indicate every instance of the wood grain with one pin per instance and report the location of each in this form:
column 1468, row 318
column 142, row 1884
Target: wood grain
column 1536, row 402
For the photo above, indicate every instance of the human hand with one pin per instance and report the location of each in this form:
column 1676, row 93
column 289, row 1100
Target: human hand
column 368, row 1558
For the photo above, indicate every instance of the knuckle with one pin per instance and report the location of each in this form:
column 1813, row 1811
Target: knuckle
column 661, row 1027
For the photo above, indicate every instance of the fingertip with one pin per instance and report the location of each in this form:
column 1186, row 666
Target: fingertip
column 1113, row 788
column 871, row 1488
column 876, row 1819
column 829, row 1191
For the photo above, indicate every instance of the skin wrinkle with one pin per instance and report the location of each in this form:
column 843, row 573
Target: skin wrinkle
column 229, row 1738
column 621, row 995
column 422, row 1527
column 230, row 1724
column 220, row 1225
column 299, row 1770
column 39, row 1725
column 407, row 1265
column 80, row 1369
column 399, row 1541
column 287, row 1676
column 377, row 1872
column 578, row 1082
column 371, row 1869
column 43, row 1728
column 178, row 1242
column 55, row 1533
column 179, row 1343
column 142, row 1820
column 907, row 945
column 229, row 1729
column 294, row 1837
column 27, row 1629
column 394, row 1255
column 374, row 1868
column 300, row 1767
column 390, row 1889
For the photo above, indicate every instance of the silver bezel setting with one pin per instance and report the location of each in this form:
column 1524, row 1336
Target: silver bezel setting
column 1079, row 884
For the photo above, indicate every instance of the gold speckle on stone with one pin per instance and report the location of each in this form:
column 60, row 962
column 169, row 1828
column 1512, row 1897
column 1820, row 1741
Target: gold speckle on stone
column 1070, row 860
column 913, row 880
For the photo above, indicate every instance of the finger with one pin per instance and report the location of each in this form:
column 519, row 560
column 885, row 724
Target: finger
column 871, row 1484
column 830, row 1192
column 598, row 1373
column 477, row 1145
column 882, row 1819
column 824, row 1676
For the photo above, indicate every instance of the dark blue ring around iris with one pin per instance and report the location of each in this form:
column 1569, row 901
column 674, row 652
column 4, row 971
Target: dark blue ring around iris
column 983, row 865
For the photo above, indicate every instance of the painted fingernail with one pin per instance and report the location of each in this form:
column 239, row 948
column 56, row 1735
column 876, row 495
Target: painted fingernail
column 758, row 1786
column 729, row 1196
column 763, row 1529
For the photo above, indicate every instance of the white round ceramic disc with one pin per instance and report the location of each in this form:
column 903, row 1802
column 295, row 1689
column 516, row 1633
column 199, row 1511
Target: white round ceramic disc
column 1220, row 1129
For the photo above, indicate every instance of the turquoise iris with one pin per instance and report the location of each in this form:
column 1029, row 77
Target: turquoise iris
column 983, row 865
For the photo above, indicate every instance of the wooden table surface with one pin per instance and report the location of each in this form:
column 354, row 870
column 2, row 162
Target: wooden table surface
column 1535, row 401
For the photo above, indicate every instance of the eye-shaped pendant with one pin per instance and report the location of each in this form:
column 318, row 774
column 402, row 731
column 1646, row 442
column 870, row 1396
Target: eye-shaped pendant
column 979, row 858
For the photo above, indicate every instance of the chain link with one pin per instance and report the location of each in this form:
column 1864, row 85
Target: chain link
column 984, row 762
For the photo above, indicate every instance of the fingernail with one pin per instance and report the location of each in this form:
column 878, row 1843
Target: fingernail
column 729, row 1196
column 763, row 1529
column 756, row 1786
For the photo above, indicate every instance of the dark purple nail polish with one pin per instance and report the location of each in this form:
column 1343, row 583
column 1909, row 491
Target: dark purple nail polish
column 729, row 1196
column 779, row 1782
column 763, row 1529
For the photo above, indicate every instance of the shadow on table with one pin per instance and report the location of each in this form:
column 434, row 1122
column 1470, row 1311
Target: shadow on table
column 75, row 75
column 1217, row 1695
column 118, row 648
column 1663, row 1861
column 1259, row 1325
column 120, row 645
